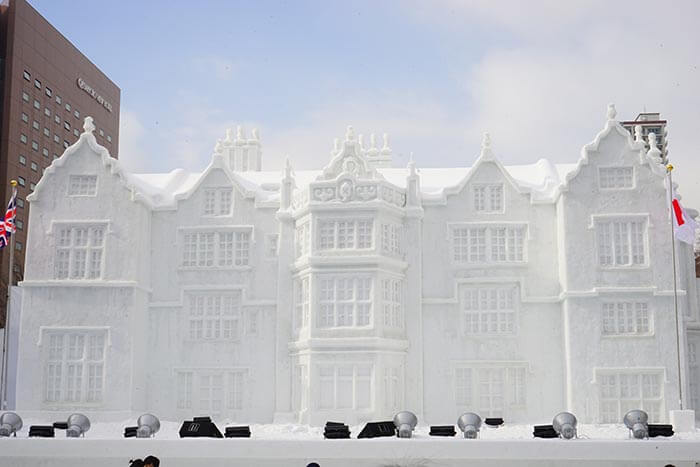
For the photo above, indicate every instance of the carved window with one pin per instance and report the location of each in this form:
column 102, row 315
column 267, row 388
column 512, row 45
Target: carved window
column 488, row 243
column 488, row 198
column 79, row 251
column 489, row 309
column 344, row 302
column 493, row 388
column 74, row 366
column 301, row 302
column 214, row 316
column 621, row 242
column 616, row 177
column 392, row 239
column 392, row 301
column 217, row 202
column 302, row 239
column 211, row 249
column 626, row 318
column 345, row 386
column 344, row 234
column 82, row 185
column 212, row 392
column 624, row 390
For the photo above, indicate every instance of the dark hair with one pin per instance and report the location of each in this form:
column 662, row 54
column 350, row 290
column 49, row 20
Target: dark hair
column 136, row 463
column 153, row 460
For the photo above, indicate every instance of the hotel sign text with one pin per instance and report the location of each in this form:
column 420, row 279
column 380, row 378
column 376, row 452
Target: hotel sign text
column 91, row 91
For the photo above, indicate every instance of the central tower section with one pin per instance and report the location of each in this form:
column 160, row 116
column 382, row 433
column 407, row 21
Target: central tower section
column 349, row 333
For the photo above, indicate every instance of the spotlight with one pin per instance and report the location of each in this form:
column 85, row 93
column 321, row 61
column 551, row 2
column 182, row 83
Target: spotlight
column 405, row 422
column 564, row 424
column 637, row 422
column 469, row 423
column 148, row 426
column 10, row 424
column 78, row 425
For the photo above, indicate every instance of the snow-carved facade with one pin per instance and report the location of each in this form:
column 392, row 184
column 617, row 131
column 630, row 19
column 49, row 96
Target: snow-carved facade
column 358, row 290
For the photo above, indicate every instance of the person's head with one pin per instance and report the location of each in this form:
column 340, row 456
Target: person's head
column 151, row 461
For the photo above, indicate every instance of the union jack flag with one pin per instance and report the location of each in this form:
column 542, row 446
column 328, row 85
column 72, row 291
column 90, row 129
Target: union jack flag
column 7, row 225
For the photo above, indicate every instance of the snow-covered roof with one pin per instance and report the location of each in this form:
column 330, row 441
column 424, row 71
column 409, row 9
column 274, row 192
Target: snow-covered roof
column 542, row 180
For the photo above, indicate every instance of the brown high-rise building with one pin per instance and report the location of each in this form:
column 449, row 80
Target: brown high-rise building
column 47, row 88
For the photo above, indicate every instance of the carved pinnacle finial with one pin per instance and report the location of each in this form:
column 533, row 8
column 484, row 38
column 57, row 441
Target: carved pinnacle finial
column 486, row 141
column 652, row 140
column 361, row 141
column 411, row 165
column 287, row 168
column 350, row 133
column 239, row 133
column 256, row 134
column 88, row 125
column 612, row 112
column 229, row 135
column 336, row 145
column 638, row 133
column 217, row 147
column 385, row 147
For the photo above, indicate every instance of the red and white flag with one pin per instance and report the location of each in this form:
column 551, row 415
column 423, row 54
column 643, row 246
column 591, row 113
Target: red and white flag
column 684, row 225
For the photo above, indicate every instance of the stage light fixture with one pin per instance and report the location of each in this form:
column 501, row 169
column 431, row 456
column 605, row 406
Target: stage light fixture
column 564, row 424
column 78, row 425
column 10, row 424
column 637, row 421
column 469, row 423
column 405, row 422
column 148, row 426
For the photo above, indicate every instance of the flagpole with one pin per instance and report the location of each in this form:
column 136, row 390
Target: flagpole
column 6, row 331
column 669, row 168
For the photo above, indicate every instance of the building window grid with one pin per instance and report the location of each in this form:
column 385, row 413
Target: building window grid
column 217, row 202
column 302, row 298
column 214, row 391
column 392, row 297
column 623, row 391
column 488, row 198
column 302, row 239
column 75, row 367
column 626, row 318
column 79, row 252
column 493, row 389
column 82, row 185
column 616, row 177
column 210, row 249
column 345, row 234
column 392, row 241
column 344, row 302
column 621, row 243
column 345, row 387
column 488, row 244
column 489, row 310
column 214, row 316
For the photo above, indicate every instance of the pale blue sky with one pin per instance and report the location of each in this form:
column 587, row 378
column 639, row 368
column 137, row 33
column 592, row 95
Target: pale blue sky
column 434, row 75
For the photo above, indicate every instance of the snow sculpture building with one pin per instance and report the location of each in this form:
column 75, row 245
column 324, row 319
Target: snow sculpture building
column 357, row 290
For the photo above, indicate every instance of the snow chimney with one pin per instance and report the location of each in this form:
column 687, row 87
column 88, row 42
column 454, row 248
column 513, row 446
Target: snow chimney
column 243, row 154
column 379, row 158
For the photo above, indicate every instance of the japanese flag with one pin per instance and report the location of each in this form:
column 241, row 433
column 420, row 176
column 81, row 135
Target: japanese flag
column 683, row 224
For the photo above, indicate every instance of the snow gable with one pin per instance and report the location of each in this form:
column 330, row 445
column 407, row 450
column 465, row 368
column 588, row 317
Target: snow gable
column 612, row 147
column 486, row 167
